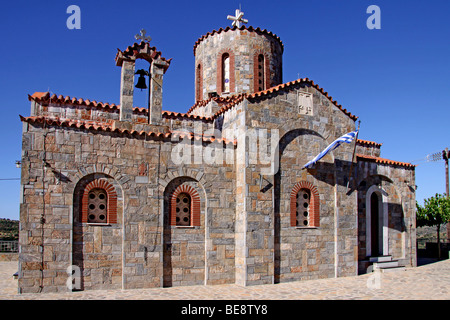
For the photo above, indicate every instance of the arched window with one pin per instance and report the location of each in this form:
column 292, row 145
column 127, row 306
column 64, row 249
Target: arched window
column 261, row 72
column 226, row 73
column 99, row 203
column 305, row 204
column 198, row 83
column 185, row 207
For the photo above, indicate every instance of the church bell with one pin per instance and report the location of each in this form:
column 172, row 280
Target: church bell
column 141, row 80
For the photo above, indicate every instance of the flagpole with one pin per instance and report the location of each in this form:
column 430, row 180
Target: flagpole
column 353, row 156
column 347, row 138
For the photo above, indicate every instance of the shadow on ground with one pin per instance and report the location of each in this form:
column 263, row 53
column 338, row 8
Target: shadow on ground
column 425, row 261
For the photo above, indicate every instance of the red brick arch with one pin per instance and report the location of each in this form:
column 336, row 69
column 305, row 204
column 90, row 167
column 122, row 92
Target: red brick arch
column 111, row 195
column 195, row 204
column 314, row 211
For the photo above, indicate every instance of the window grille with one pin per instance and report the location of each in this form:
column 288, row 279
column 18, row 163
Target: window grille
column 199, row 83
column 97, row 206
column 303, row 205
column 261, row 73
column 183, row 210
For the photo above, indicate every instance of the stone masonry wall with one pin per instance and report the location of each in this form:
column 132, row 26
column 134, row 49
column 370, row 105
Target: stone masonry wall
column 368, row 148
column 275, row 251
column 129, row 253
column 245, row 234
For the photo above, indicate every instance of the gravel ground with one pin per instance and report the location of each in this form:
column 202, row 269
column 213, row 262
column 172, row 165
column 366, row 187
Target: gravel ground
column 430, row 281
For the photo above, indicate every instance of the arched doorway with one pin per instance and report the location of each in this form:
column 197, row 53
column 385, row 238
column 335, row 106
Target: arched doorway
column 376, row 244
column 376, row 222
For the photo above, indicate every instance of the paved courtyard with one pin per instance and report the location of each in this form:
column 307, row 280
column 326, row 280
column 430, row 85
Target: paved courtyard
column 431, row 281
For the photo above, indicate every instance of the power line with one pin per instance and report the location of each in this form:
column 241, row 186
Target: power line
column 9, row 179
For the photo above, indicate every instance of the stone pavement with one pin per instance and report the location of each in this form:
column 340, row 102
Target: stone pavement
column 431, row 281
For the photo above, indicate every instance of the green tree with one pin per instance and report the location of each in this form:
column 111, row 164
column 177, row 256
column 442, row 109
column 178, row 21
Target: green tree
column 435, row 212
column 9, row 229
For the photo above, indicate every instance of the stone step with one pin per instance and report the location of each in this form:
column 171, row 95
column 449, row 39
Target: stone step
column 393, row 269
column 380, row 259
column 385, row 264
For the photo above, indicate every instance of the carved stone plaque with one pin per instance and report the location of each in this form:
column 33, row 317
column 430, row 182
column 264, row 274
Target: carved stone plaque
column 305, row 103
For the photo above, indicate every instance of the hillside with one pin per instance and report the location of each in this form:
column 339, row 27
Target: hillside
column 9, row 229
column 430, row 234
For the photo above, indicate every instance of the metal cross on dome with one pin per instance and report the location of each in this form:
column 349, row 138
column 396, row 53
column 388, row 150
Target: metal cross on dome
column 237, row 19
column 142, row 36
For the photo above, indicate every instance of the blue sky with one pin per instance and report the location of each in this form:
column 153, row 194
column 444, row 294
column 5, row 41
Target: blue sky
column 395, row 79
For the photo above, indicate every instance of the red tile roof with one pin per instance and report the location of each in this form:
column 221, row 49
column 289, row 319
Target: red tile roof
column 78, row 124
column 231, row 103
column 178, row 115
column 107, row 127
column 369, row 143
column 384, row 161
column 228, row 102
column 221, row 101
column 250, row 28
column 141, row 50
column 45, row 97
column 39, row 96
column 225, row 102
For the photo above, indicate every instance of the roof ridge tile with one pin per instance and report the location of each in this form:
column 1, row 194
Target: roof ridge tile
column 361, row 141
column 385, row 161
column 298, row 81
column 228, row 28
column 105, row 126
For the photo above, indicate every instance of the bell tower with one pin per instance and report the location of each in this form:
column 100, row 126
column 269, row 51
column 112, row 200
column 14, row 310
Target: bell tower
column 237, row 60
column 158, row 67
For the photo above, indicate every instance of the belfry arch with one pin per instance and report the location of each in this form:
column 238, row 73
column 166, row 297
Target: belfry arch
column 158, row 66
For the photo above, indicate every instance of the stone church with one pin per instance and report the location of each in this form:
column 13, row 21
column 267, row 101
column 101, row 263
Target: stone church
column 118, row 197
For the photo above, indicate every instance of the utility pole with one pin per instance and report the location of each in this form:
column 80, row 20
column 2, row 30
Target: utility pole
column 438, row 156
column 445, row 156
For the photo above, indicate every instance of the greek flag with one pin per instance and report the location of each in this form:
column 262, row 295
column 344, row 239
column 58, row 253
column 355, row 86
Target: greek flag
column 347, row 138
